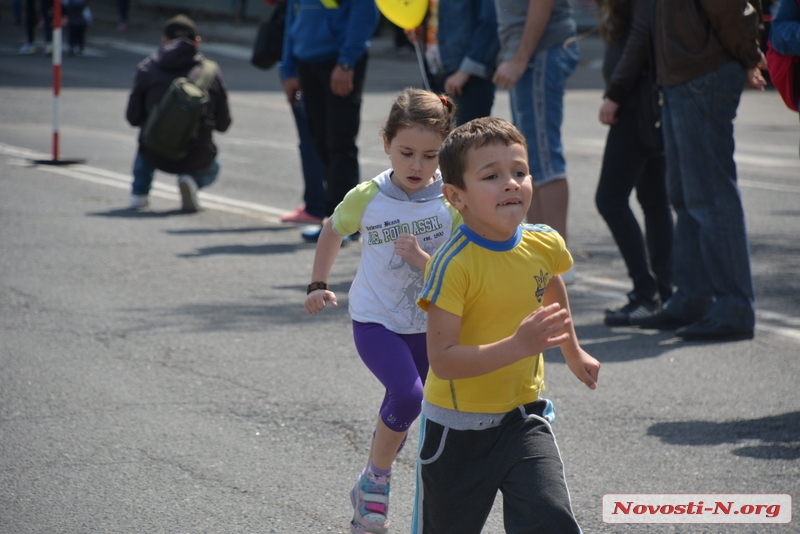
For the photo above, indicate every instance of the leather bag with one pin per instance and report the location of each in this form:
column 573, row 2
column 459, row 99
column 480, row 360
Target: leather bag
column 268, row 48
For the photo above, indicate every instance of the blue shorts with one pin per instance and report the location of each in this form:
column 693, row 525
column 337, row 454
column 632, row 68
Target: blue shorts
column 537, row 109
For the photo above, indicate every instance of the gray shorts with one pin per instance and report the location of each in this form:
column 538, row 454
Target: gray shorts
column 460, row 471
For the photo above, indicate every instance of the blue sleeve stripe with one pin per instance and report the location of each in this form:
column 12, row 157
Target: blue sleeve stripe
column 435, row 279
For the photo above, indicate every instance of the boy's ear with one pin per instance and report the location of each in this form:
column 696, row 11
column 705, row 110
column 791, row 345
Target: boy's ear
column 453, row 196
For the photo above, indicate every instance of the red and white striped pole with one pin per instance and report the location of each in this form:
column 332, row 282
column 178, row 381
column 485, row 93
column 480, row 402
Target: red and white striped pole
column 57, row 42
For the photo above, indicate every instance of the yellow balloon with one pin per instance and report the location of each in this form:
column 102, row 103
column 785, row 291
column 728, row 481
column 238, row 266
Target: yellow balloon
column 408, row 14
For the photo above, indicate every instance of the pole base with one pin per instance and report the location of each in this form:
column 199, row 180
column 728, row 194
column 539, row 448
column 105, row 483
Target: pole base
column 59, row 162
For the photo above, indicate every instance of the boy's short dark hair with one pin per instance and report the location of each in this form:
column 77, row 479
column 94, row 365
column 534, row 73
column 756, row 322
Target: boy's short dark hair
column 474, row 134
column 180, row 26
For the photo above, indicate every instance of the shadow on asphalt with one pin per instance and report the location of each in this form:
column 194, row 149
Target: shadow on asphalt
column 779, row 435
column 617, row 345
column 241, row 230
column 237, row 317
column 127, row 213
column 269, row 248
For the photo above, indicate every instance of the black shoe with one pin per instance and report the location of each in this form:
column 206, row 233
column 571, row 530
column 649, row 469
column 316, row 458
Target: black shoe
column 312, row 236
column 659, row 321
column 711, row 330
column 636, row 308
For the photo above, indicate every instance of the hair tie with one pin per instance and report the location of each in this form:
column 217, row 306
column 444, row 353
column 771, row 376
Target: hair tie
column 443, row 99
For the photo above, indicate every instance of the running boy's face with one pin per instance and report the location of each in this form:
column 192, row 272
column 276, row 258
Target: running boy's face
column 497, row 190
column 414, row 153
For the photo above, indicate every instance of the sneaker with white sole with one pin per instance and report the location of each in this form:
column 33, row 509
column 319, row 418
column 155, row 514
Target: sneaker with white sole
column 188, row 188
column 28, row 48
column 300, row 215
column 370, row 499
column 636, row 308
column 138, row 201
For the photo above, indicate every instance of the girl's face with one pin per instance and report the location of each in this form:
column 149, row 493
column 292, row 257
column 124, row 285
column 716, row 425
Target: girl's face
column 414, row 153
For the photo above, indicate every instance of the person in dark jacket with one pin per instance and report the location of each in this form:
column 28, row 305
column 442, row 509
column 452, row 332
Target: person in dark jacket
column 630, row 162
column 325, row 57
column 177, row 57
column 706, row 53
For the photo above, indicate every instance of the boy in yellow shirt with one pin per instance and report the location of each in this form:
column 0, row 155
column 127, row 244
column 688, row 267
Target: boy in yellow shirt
column 495, row 302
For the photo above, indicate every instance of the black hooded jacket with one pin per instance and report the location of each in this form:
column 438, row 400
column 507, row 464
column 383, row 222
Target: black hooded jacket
column 154, row 75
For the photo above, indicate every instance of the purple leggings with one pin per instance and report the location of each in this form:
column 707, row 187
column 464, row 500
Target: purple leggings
column 400, row 362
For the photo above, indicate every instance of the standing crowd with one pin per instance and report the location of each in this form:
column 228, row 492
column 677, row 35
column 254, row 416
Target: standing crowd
column 462, row 280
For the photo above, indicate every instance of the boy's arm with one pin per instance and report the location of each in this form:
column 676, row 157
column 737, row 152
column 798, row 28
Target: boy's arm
column 449, row 360
column 328, row 247
column 581, row 363
column 509, row 72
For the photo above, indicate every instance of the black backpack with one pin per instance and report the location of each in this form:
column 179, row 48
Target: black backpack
column 173, row 123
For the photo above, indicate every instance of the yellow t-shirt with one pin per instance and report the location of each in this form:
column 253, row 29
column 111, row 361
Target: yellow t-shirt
column 492, row 286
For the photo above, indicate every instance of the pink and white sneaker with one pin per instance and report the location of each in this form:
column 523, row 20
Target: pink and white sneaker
column 300, row 215
column 370, row 499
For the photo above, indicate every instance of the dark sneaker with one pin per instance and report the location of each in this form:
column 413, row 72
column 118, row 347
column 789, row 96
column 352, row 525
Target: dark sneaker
column 312, row 236
column 661, row 320
column 711, row 330
column 636, row 308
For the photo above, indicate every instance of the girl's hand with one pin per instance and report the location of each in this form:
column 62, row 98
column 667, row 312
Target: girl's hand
column 316, row 300
column 407, row 247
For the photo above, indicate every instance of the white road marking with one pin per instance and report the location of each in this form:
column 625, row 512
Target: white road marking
column 767, row 321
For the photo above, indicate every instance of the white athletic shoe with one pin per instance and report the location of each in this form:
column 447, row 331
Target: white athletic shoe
column 138, row 201
column 188, row 188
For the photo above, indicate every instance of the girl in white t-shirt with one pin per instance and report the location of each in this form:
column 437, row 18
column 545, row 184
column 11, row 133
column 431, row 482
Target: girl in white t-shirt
column 403, row 218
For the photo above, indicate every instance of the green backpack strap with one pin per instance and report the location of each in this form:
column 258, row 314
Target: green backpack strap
column 209, row 70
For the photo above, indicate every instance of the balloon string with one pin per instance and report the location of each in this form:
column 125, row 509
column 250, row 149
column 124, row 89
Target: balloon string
column 421, row 61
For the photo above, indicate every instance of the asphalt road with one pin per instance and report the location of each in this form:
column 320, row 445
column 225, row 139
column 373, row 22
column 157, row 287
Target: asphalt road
column 158, row 373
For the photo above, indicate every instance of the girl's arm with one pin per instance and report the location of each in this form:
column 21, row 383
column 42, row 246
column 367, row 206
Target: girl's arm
column 328, row 247
column 581, row 363
column 545, row 328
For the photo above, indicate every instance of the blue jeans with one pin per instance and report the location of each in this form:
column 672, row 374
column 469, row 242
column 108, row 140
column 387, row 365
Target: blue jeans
column 537, row 108
column 313, row 168
column 143, row 175
column 711, row 254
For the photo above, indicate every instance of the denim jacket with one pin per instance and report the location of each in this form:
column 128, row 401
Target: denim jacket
column 785, row 30
column 467, row 36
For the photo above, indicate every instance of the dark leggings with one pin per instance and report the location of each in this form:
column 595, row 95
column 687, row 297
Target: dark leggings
column 46, row 11
column 628, row 164
column 400, row 362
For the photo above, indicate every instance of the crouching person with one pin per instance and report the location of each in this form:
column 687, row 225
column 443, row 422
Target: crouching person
column 174, row 138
